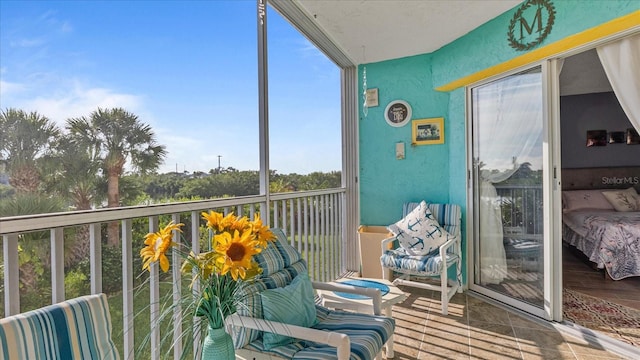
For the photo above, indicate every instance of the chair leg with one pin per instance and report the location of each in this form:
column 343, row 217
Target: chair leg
column 459, row 275
column 444, row 292
column 389, row 345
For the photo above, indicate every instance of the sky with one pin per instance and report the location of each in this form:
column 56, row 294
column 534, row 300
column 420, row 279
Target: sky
column 186, row 68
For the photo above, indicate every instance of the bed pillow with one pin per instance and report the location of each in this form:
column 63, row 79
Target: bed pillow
column 418, row 232
column 584, row 199
column 293, row 304
column 623, row 200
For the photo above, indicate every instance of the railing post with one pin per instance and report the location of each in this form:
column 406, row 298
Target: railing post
column 154, row 298
column 11, row 275
column 57, row 265
column 127, row 290
column 195, row 247
column 176, row 262
column 95, row 257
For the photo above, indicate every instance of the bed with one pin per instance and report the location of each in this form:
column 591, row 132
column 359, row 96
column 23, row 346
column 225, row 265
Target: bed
column 602, row 220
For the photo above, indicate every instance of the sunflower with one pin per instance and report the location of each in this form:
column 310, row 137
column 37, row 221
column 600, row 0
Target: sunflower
column 263, row 233
column 239, row 224
column 157, row 246
column 213, row 219
column 228, row 223
column 238, row 250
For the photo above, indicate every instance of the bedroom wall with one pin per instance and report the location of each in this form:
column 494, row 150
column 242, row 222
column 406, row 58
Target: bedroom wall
column 599, row 111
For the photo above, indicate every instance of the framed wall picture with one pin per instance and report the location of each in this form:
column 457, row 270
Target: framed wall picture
column 632, row 137
column 616, row 137
column 427, row 131
column 596, row 138
column 397, row 113
column 372, row 97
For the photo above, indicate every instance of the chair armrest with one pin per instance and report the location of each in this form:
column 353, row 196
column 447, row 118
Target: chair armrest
column 384, row 244
column 337, row 340
column 372, row 293
column 447, row 244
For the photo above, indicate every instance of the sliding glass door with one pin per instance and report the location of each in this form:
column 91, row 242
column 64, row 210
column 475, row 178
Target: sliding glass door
column 508, row 142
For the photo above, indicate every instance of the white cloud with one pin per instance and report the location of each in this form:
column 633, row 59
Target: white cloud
column 59, row 104
column 8, row 88
column 26, row 43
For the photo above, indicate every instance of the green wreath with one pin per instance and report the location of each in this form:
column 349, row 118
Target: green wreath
column 547, row 29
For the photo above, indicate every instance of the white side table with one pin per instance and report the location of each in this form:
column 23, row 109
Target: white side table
column 391, row 295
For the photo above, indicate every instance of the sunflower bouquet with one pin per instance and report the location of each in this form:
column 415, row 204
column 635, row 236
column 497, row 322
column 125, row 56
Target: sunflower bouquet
column 220, row 272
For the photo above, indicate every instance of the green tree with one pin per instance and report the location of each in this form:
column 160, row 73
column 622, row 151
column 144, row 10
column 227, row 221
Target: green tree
column 165, row 186
column 229, row 182
column 33, row 255
column 25, row 141
column 320, row 180
column 119, row 139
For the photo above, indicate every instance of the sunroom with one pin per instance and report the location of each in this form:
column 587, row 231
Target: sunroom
column 494, row 82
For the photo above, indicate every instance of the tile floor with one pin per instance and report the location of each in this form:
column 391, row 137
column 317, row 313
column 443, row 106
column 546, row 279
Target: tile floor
column 475, row 329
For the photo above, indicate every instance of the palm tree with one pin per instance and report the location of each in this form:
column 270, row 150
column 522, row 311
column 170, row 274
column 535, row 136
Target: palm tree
column 119, row 139
column 75, row 175
column 25, row 139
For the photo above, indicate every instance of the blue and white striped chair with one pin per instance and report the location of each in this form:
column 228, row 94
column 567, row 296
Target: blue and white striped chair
column 434, row 264
column 332, row 334
column 76, row 329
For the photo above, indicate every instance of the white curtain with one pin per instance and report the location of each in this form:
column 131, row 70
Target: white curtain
column 621, row 62
column 508, row 133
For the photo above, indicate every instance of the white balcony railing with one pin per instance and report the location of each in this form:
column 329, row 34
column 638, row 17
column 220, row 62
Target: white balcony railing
column 313, row 221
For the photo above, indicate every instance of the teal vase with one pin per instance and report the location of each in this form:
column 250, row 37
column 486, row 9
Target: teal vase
column 218, row 345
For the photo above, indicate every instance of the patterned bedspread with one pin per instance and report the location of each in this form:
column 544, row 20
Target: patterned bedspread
column 610, row 239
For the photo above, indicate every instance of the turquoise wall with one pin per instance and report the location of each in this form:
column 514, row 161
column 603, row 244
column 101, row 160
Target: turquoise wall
column 437, row 173
column 385, row 182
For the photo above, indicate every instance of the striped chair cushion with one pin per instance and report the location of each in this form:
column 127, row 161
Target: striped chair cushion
column 278, row 255
column 430, row 264
column 366, row 332
column 280, row 263
column 270, row 260
column 252, row 304
column 79, row 328
column 288, row 252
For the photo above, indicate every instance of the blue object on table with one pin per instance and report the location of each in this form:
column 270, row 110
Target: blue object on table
column 384, row 289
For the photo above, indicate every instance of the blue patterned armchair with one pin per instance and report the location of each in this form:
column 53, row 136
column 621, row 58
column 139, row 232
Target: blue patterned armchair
column 434, row 264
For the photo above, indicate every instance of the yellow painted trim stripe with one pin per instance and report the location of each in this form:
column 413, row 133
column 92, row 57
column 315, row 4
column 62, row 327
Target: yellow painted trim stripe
column 570, row 42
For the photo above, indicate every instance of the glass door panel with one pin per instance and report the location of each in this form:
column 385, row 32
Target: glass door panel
column 507, row 152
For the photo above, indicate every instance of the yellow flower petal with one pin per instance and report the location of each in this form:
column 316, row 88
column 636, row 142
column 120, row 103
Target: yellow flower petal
column 157, row 245
column 213, row 219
